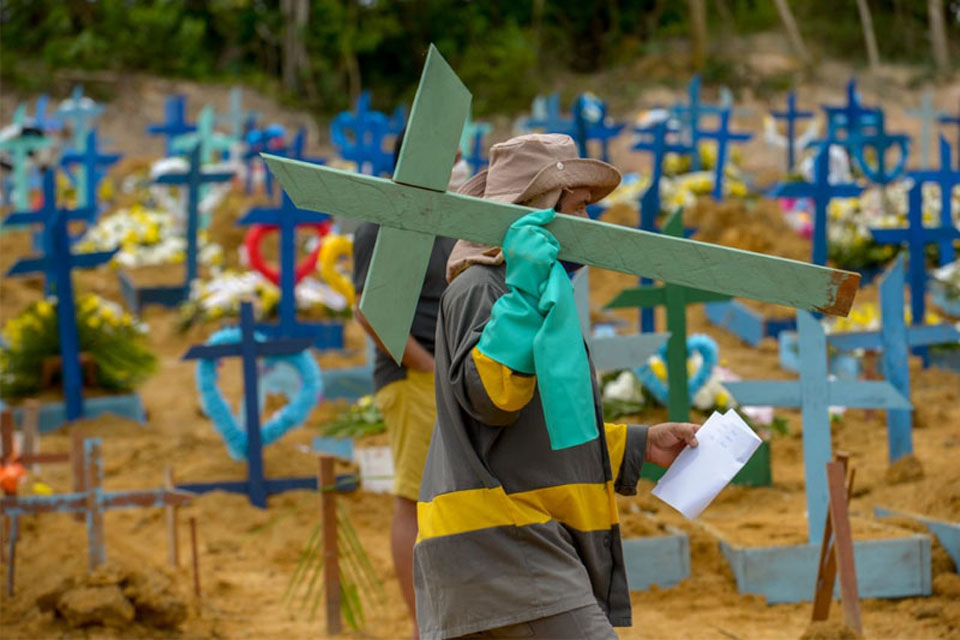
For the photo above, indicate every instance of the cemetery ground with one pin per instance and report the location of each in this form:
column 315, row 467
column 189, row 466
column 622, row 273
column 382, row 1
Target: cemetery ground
column 247, row 555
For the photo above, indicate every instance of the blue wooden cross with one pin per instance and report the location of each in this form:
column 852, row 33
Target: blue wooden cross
column 589, row 128
column 205, row 138
column 170, row 296
column 814, row 393
column 791, row 116
column 287, row 217
column 927, row 116
column 724, row 137
column 654, row 139
column 880, row 141
column 21, row 147
column 257, row 487
column 237, row 118
column 258, row 141
column 917, row 237
column 471, row 144
column 952, row 120
column 79, row 112
column 947, row 178
column 56, row 264
column 821, row 192
column 359, row 137
column 894, row 338
column 552, row 119
column 94, row 163
column 690, row 115
column 850, row 119
column 41, row 120
column 175, row 110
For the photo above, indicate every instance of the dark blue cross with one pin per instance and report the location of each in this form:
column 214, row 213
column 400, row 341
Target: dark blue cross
column 359, row 137
column 474, row 155
column 917, row 238
column 949, row 120
column 175, row 110
column 56, row 264
column 256, row 486
column 95, row 163
column 880, row 141
column 287, row 218
column 791, row 116
column 553, row 120
column 193, row 179
column 894, row 338
column 654, row 139
column 850, row 119
column 821, row 192
column 258, row 142
column 594, row 129
column 947, row 178
column 724, row 137
column 398, row 121
column 690, row 115
column 79, row 114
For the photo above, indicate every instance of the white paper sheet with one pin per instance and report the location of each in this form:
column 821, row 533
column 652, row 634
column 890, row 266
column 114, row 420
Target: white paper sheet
column 699, row 474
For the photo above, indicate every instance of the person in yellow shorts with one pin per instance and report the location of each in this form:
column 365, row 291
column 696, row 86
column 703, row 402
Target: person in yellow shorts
column 405, row 393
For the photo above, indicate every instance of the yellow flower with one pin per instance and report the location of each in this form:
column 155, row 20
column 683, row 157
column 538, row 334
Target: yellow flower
column 44, row 309
column 365, row 401
column 126, row 320
column 659, row 369
column 215, row 313
column 178, row 257
column 93, row 322
column 152, row 234
column 736, row 189
column 722, row 399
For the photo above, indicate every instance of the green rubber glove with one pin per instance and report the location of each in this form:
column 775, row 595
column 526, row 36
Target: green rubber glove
column 534, row 329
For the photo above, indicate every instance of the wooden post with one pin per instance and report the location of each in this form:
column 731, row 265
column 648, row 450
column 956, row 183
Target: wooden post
column 12, row 552
column 331, row 568
column 94, row 513
column 6, row 437
column 838, row 553
column 30, row 428
column 171, row 513
column 76, row 463
column 195, row 556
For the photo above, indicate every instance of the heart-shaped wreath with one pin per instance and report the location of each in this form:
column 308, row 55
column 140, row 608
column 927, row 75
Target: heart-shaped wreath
column 699, row 343
column 305, row 267
column 291, row 416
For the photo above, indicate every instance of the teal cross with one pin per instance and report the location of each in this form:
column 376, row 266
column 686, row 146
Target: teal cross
column 675, row 298
column 209, row 140
column 414, row 207
column 20, row 147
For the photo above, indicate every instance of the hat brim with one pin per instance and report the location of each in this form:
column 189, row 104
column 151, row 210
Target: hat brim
column 598, row 176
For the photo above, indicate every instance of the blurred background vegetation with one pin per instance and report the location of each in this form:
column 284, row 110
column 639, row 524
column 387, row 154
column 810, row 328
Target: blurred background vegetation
column 320, row 53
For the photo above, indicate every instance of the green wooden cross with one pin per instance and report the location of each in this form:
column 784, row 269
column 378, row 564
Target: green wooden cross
column 675, row 298
column 414, row 207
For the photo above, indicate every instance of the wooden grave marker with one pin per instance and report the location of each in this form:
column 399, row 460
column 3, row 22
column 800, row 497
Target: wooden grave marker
column 821, row 192
column 359, row 136
column 947, row 178
column 791, row 116
column 175, row 125
column 95, row 163
column 723, row 137
column 41, row 120
column 675, row 298
column 690, row 116
column 21, row 147
column 596, row 128
column 656, row 139
column 414, row 207
column 172, row 295
column 846, row 121
column 92, row 502
column 236, row 118
column 927, row 115
column 57, row 263
column 257, row 487
column 548, row 117
column 204, row 138
column 954, row 121
column 286, row 218
column 813, row 393
column 880, row 141
column 471, row 144
column 80, row 112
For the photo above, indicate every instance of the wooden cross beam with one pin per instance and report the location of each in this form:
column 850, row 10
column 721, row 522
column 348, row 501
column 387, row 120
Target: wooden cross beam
column 236, row 117
column 552, row 120
column 41, row 120
column 612, row 352
column 80, row 111
column 821, row 191
column 204, row 138
column 413, row 208
column 598, row 128
column 952, row 120
column 880, row 141
column 21, row 147
column 359, row 136
column 948, row 179
column 675, row 298
column 724, row 137
column 93, row 501
column 791, row 116
column 690, row 115
column 927, row 115
column 286, row 218
column 850, row 119
column 814, row 393
column 94, row 163
column 175, row 110
column 894, row 338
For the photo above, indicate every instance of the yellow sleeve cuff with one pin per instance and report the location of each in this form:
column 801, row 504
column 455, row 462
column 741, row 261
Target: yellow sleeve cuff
column 616, row 445
column 507, row 389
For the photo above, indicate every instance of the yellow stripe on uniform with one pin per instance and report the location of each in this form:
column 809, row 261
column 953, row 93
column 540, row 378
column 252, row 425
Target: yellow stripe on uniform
column 507, row 389
column 583, row 506
column 616, row 445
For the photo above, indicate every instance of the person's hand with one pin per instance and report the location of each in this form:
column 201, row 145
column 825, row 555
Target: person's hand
column 530, row 251
column 665, row 441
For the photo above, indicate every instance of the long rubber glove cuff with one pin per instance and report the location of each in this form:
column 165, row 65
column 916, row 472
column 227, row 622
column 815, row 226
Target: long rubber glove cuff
column 534, row 328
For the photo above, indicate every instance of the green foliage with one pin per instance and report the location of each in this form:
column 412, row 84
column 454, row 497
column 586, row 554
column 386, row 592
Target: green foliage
column 361, row 419
column 111, row 338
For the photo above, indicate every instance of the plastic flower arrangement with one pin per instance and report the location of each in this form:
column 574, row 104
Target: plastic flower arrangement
column 109, row 336
column 146, row 237
column 360, row 419
column 945, row 284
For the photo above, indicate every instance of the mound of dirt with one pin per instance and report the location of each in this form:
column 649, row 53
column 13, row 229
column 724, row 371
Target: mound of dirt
column 829, row 630
column 906, row 469
column 115, row 596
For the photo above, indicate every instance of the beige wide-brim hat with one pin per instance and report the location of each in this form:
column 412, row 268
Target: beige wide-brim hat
column 534, row 169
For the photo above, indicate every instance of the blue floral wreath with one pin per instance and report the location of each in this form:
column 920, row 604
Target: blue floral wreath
column 291, row 416
column 702, row 344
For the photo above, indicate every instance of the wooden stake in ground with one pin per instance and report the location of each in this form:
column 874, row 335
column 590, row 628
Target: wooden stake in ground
column 836, row 552
column 171, row 514
column 331, row 564
column 195, row 556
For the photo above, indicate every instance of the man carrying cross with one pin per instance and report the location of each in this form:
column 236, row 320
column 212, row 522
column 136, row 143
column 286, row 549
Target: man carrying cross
column 518, row 523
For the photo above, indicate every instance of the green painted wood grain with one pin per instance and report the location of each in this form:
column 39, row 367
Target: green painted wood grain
column 696, row 264
column 400, row 256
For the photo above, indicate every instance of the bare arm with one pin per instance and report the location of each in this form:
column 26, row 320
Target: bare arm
column 415, row 356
